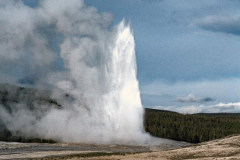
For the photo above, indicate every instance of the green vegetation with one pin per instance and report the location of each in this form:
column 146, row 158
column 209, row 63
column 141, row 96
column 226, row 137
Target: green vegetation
column 191, row 128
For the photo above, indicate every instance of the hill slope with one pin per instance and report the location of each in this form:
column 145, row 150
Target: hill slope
column 191, row 128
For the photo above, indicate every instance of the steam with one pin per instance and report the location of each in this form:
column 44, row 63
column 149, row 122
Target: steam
column 97, row 87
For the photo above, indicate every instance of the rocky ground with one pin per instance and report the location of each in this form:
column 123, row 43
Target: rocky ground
column 227, row 148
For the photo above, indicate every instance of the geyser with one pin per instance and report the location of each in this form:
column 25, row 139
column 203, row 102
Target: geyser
column 97, row 87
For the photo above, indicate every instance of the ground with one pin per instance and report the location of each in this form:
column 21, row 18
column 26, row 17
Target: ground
column 226, row 148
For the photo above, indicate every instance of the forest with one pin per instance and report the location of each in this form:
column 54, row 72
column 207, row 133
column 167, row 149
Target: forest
column 193, row 128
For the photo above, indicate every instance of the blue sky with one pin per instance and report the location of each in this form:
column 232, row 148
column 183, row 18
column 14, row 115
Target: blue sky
column 172, row 41
column 188, row 51
column 183, row 47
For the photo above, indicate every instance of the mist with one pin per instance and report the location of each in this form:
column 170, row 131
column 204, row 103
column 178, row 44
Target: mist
column 75, row 56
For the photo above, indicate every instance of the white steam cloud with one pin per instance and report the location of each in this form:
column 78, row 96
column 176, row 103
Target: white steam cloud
column 97, row 88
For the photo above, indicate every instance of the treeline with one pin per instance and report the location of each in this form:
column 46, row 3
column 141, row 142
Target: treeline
column 191, row 128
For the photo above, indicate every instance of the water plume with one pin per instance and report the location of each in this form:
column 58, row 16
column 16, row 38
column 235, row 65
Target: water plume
column 105, row 104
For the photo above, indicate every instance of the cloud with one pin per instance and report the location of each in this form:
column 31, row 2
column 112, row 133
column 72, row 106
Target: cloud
column 224, row 24
column 217, row 108
column 192, row 99
column 221, row 90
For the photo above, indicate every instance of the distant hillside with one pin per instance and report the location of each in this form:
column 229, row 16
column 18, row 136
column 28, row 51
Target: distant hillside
column 191, row 128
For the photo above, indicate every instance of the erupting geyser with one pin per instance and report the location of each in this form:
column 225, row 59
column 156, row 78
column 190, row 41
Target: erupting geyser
column 97, row 89
column 106, row 105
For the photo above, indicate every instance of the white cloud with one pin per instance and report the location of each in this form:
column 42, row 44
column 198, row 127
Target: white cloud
column 217, row 108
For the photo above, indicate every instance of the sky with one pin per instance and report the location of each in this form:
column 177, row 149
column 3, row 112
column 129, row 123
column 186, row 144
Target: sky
column 188, row 51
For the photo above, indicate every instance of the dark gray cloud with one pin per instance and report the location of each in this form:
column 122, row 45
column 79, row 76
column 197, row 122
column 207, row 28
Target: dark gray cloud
column 192, row 99
column 227, row 24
